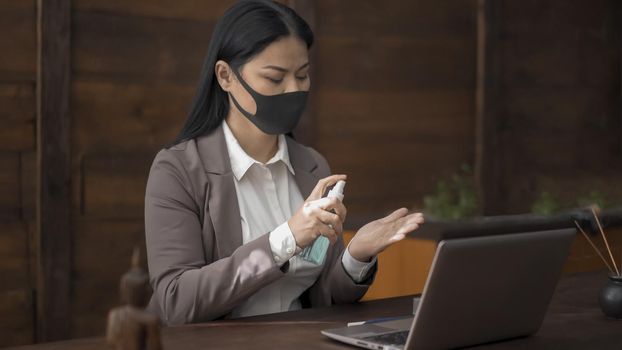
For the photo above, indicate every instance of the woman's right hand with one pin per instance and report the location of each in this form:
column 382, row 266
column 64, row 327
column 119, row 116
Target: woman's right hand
column 314, row 217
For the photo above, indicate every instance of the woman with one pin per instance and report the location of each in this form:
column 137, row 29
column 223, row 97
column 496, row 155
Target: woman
column 225, row 213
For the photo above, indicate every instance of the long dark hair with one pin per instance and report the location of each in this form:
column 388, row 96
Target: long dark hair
column 245, row 30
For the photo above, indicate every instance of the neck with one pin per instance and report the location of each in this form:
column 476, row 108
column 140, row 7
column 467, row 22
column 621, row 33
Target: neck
column 257, row 144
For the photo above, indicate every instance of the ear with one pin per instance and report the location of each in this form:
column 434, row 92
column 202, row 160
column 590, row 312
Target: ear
column 224, row 75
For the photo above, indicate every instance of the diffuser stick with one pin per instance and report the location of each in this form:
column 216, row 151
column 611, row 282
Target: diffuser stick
column 606, row 242
column 594, row 246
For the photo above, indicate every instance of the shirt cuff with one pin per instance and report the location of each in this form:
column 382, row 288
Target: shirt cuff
column 282, row 244
column 358, row 270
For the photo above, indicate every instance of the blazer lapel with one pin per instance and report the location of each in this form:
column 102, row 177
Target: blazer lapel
column 222, row 202
column 304, row 166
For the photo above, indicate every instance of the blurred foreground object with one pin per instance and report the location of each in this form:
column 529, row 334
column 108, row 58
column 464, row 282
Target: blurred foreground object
column 130, row 327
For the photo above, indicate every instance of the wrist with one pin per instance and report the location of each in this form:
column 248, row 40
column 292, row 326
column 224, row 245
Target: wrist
column 358, row 253
column 300, row 239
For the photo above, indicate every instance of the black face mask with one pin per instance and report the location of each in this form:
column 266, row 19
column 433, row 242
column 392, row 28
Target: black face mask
column 276, row 114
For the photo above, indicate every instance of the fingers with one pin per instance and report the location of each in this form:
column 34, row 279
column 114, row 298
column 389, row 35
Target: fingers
column 415, row 217
column 394, row 215
column 324, row 183
column 409, row 223
column 335, row 204
column 328, row 218
column 396, row 238
column 329, row 233
column 340, row 210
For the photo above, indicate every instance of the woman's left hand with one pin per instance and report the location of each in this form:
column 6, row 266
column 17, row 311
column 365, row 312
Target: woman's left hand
column 377, row 235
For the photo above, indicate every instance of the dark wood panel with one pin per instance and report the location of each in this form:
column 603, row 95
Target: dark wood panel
column 366, row 135
column 589, row 110
column 575, row 126
column 537, row 153
column 103, row 252
column 111, row 47
column 28, row 186
column 16, row 320
column 17, row 101
column 18, row 136
column 429, row 19
column 102, row 256
column 114, row 117
column 17, row 114
column 396, row 63
column 553, row 62
column 14, row 256
column 542, row 152
column 405, row 105
column 54, row 170
column 16, row 289
column 18, row 43
column 564, row 20
column 417, row 131
column 486, row 165
column 9, row 186
column 114, row 185
column 200, row 10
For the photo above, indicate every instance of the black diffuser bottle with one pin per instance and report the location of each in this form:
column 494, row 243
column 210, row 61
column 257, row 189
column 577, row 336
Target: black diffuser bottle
column 611, row 297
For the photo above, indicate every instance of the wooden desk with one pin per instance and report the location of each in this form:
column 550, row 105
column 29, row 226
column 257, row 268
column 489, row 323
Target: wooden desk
column 574, row 321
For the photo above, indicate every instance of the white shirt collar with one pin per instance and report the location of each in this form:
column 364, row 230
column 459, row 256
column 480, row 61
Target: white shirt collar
column 241, row 161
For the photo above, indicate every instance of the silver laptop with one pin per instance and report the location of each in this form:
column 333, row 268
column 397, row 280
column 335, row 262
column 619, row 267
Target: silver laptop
column 479, row 290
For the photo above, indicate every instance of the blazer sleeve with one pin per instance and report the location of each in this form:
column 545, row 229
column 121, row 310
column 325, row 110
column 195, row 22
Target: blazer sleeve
column 335, row 286
column 187, row 288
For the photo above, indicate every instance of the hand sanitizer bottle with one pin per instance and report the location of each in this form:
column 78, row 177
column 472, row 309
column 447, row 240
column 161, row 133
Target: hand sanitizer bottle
column 316, row 253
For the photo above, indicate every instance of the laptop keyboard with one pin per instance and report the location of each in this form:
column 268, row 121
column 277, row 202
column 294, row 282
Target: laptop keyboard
column 394, row 338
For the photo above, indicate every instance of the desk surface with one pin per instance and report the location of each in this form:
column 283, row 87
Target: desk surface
column 573, row 321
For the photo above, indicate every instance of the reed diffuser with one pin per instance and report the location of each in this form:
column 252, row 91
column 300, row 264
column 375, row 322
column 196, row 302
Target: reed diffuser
column 610, row 298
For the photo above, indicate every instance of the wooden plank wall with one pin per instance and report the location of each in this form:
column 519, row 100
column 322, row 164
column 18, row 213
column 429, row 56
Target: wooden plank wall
column 53, row 234
column 559, row 115
column 18, row 47
column 394, row 96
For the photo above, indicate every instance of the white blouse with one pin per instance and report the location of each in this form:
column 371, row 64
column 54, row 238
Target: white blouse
column 268, row 196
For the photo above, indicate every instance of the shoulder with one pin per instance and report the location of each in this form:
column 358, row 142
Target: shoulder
column 178, row 164
column 178, row 157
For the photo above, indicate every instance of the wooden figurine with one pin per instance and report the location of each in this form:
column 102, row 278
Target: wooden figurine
column 130, row 327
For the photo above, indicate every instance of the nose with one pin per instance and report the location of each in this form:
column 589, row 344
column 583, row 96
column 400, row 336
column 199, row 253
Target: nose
column 294, row 85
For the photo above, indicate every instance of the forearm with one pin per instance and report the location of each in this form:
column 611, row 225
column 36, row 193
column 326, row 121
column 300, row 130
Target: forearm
column 344, row 289
column 206, row 293
column 359, row 271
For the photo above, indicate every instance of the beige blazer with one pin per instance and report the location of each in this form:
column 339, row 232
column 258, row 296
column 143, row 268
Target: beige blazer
column 198, row 267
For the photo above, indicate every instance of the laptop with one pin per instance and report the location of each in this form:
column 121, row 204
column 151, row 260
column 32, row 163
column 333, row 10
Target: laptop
column 479, row 290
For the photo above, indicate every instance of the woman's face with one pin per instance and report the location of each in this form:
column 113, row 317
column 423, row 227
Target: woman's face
column 283, row 66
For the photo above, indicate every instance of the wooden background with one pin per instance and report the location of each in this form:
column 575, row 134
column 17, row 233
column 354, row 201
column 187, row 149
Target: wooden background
column 18, row 77
column 394, row 106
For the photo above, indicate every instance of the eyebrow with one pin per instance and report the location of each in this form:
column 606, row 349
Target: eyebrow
column 281, row 69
